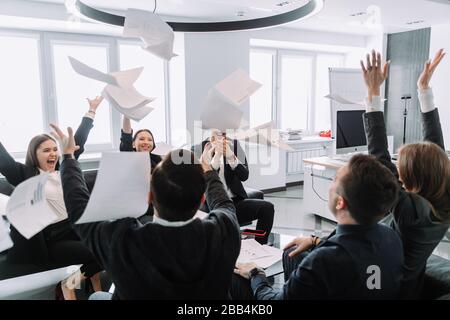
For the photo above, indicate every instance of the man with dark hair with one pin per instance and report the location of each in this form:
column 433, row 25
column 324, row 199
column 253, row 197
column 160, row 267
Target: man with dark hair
column 362, row 259
column 177, row 256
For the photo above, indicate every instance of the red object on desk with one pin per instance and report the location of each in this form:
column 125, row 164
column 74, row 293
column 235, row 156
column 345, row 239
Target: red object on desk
column 325, row 134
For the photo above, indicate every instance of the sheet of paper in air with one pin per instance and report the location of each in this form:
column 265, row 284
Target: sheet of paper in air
column 127, row 98
column 156, row 34
column 264, row 256
column 237, row 87
column 119, row 91
column 136, row 114
column 86, row 71
column 162, row 149
column 3, row 202
column 27, row 209
column 5, row 239
column 264, row 134
column 130, row 171
column 218, row 113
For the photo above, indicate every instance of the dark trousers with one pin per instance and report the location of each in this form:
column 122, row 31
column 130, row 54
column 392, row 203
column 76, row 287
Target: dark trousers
column 263, row 211
column 66, row 249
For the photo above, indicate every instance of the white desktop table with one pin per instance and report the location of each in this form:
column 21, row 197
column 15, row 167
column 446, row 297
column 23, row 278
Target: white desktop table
column 319, row 174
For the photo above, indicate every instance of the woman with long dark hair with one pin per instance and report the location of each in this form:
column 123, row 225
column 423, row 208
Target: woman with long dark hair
column 57, row 245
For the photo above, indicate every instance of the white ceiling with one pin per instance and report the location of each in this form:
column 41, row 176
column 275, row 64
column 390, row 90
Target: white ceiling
column 371, row 15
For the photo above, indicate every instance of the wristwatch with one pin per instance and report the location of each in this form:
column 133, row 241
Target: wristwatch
column 68, row 156
column 255, row 272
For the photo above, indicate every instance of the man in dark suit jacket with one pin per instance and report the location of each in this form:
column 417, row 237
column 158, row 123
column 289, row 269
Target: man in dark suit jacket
column 229, row 160
column 177, row 256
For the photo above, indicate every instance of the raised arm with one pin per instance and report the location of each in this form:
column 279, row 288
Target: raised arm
column 237, row 161
column 15, row 172
column 86, row 125
column 126, row 137
column 431, row 125
column 96, row 236
column 374, row 75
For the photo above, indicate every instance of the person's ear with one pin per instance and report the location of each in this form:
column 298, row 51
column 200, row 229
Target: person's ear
column 341, row 204
column 203, row 199
column 151, row 197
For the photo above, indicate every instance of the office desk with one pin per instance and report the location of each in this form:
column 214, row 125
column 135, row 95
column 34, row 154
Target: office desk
column 319, row 173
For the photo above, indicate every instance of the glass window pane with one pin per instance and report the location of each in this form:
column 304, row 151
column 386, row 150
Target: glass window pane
column 295, row 92
column 21, row 110
column 72, row 89
column 178, row 94
column 261, row 70
column 322, row 105
column 150, row 84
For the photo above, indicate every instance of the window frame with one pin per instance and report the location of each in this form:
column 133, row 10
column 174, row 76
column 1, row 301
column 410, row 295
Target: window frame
column 45, row 41
column 277, row 75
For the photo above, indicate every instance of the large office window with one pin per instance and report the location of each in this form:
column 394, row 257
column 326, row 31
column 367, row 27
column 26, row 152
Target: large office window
column 150, row 84
column 301, row 82
column 295, row 96
column 41, row 87
column 261, row 70
column 21, row 108
column 72, row 89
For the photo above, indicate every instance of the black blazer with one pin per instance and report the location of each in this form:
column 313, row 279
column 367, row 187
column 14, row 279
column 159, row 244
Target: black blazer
column 126, row 144
column 152, row 261
column 234, row 177
column 412, row 215
column 34, row 250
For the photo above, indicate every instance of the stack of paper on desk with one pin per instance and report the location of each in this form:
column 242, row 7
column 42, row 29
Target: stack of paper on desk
column 156, row 34
column 27, row 209
column 221, row 109
column 264, row 256
column 119, row 91
column 108, row 201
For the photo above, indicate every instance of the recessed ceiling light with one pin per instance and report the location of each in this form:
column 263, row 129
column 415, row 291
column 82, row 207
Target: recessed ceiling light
column 282, row 4
column 415, row 22
column 357, row 14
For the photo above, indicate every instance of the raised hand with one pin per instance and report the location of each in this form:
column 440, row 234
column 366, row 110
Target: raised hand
column 206, row 157
column 374, row 73
column 424, row 80
column 67, row 143
column 93, row 104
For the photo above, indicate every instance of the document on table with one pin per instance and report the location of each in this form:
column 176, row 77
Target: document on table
column 263, row 255
column 121, row 188
column 27, row 209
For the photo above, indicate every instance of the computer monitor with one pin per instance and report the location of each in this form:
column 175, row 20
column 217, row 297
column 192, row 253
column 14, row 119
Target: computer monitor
column 349, row 134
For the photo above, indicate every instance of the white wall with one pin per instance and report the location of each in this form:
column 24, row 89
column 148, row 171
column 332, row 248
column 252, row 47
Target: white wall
column 441, row 78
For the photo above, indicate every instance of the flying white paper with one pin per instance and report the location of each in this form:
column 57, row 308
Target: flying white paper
column 27, row 209
column 127, row 98
column 220, row 114
column 237, row 87
column 5, row 239
column 264, row 256
column 156, row 34
column 130, row 171
column 136, row 114
column 92, row 73
column 162, row 149
column 3, row 202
